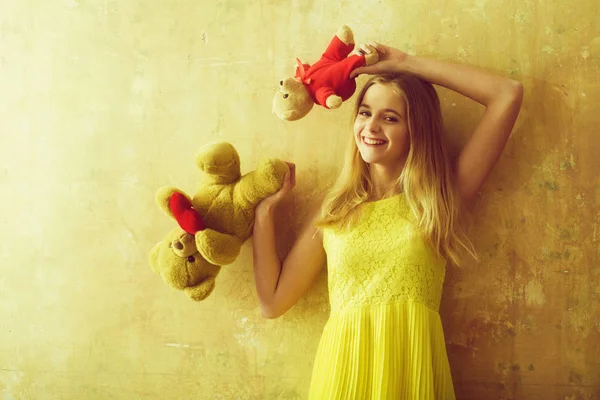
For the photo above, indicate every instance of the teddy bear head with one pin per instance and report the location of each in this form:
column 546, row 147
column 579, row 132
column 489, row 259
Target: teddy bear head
column 292, row 101
column 177, row 260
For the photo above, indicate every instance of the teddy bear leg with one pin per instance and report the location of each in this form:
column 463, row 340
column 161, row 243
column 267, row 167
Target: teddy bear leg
column 220, row 161
column 341, row 45
column 218, row 248
column 202, row 290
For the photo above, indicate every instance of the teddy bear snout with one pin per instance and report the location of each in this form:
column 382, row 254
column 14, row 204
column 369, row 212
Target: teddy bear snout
column 184, row 245
column 287, row 84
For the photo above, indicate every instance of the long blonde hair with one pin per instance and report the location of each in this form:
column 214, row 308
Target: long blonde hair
column 426, row 179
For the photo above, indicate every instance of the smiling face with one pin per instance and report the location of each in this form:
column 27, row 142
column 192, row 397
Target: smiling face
column 381, row 126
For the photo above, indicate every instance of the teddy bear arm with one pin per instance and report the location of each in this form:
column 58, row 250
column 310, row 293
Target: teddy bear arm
column 202, row 290
column 218, row 248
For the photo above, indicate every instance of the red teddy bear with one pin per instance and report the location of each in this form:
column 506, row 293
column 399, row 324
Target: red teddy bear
column 327, row 82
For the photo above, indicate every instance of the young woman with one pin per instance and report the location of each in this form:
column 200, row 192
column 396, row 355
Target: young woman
column 387, row 229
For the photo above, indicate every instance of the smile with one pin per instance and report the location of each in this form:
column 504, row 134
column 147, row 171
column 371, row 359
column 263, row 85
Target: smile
column 372, row 142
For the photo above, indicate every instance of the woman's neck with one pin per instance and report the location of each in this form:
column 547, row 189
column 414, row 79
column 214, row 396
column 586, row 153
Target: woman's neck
column 385, row 180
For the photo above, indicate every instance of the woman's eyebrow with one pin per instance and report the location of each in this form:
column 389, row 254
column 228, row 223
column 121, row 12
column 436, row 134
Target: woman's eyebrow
column 385, row 110
column 392, row 111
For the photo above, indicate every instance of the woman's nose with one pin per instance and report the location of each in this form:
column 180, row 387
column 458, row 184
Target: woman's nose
column 372, row 125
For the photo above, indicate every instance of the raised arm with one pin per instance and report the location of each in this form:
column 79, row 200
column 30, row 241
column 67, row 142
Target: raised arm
column 280, row 285
column 501, row 97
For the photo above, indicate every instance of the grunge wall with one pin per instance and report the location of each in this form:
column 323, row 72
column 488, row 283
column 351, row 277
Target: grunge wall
column 104, row 101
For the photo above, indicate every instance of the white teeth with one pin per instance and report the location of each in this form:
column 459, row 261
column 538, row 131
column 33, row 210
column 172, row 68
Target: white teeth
column 373, row 141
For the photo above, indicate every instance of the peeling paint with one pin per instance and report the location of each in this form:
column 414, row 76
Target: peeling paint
column 585, row 53
column 534, row 294
column 551, row 185
column 547, row 49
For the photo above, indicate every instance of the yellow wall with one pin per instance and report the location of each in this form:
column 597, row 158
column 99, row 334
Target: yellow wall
column 103, row 101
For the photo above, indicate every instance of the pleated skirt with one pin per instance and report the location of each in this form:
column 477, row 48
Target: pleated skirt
column 382, row 352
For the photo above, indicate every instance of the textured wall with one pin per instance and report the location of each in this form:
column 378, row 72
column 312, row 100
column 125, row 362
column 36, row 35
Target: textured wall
column 103, row 101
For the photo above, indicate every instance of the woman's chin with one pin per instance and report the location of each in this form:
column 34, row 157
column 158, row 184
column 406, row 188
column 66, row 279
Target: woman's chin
column 370, row 158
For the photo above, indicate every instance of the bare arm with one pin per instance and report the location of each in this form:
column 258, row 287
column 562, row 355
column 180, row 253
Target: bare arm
column 280, row 285
column 501, row 96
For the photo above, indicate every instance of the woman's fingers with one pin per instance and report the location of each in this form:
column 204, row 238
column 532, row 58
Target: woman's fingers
column 375, row 45
column 289, row 181
column 363, row 70
column 292, row 174
column 366, row 49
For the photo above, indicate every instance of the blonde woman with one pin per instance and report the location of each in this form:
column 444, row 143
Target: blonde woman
column 387, row 229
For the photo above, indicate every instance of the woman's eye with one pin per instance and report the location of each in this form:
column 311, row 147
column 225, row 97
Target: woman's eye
column 391, row 119
column 364, row 113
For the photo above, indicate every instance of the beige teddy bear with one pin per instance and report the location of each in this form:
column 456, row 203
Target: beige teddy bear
column 220, row 215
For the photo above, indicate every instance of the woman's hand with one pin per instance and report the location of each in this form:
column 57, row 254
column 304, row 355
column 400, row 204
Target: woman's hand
column 269, row 203
column 390, row 59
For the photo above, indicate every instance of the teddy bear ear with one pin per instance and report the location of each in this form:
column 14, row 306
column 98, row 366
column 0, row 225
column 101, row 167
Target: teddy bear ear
column 153, row 257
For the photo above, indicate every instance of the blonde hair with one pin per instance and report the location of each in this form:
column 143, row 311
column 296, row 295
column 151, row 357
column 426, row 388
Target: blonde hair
column 426, row 179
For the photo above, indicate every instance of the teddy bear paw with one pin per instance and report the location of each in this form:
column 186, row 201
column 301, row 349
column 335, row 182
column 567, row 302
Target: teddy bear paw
column 345, row 34
column 372, row 57
column 334, row 101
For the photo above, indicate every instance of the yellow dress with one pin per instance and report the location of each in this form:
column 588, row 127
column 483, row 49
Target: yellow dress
column 384, row 337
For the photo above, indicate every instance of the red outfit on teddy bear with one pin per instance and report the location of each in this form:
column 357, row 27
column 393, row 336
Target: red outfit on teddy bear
column 331, row 74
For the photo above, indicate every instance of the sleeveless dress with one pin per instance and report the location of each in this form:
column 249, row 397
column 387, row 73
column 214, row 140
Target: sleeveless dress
column 384, row 337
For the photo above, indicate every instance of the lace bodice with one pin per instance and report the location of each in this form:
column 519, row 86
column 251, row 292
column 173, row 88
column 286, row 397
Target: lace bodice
column 382, row 259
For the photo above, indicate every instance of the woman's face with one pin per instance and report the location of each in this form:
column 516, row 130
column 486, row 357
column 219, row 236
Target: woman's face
column 381, row 127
